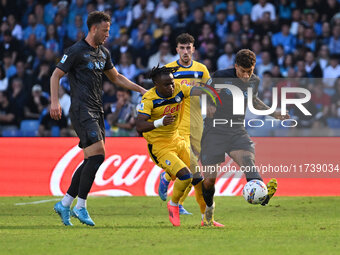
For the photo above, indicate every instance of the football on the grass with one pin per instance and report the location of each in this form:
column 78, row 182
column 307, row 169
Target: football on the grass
column 255, row 192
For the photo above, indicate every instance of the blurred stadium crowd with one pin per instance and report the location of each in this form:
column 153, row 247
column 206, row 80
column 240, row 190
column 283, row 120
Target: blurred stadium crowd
column 299, row 40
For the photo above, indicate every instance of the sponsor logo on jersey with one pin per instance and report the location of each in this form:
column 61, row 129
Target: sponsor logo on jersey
column 168, row 162
column 170, row 110
column 63, row 59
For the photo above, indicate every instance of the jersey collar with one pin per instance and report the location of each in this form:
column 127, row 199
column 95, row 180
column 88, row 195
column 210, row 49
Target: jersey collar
column 88, row 45
column 184, row 66
column 159, row 94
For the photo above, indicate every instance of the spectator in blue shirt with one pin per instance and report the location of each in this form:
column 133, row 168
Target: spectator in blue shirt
column 287, row 40
column 9, row 67
column 231, row 12
column 34, row 28
column 324, row 38
column 50, row 10
column 75, row 28
column 77, row 7
column 52, row 41
column 243, row 7
column 221, row 25
column 334, row 42
column 309, row 39
column 121, row 13
column 285, row 9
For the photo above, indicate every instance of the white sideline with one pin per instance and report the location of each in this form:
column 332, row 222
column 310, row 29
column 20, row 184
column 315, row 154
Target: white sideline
column 38, row 202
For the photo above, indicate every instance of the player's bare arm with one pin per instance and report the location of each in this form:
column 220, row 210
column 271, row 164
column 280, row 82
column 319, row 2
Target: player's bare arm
column 143, row 125
column 55, row 110
column 198, row 91
column 259, row 105
column 122, row 81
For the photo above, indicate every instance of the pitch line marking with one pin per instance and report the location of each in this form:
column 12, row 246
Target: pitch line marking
column 38, row 202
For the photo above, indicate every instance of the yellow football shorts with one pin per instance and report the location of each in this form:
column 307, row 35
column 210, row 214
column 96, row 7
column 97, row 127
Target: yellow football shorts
column 172, row 156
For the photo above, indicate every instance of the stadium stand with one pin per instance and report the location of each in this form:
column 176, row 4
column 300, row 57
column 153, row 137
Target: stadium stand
column 295, row 39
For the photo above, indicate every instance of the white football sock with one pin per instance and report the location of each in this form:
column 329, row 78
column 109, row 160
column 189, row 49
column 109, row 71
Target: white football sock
column 173, row 204
column 81, row 203
column 67, row 200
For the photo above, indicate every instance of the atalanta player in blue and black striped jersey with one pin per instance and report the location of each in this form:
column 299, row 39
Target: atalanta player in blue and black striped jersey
column 85, row 62
column 232, row 139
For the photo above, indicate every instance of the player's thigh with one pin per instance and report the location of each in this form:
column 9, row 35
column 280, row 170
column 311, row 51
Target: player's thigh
column 95, row 149
column 171, row 163
column 213, row 149
column 183, row 149
column 166, row 157
column 89, row 127
column 195, row 143
column 240, row 141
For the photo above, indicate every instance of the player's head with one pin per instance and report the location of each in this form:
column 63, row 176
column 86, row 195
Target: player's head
column 98, row 24
column 185, row 48
column 245, row 61
column 163, row 79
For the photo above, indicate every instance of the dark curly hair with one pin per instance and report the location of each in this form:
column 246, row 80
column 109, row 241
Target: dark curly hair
column 97, row 17
column 185, row 38
column 245, row 58
column 158, row 71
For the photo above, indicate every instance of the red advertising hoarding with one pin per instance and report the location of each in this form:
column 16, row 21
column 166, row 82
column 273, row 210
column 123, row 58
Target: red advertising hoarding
column 44, row 166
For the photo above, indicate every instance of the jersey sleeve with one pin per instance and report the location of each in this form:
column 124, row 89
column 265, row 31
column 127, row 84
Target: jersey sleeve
column 206, row 75
column 108, row 63
column 145, row 107
column 68, row 60
column 186, row 89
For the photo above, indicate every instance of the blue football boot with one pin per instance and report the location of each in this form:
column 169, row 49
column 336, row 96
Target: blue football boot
column 163, row 187
column 182, row 211
column 64, row 213
column 82, row 215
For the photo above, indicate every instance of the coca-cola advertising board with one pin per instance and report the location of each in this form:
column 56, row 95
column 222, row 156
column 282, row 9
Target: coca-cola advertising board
column 44, row 166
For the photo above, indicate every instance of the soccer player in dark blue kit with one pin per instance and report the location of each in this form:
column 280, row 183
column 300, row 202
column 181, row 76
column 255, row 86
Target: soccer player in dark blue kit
column 232, row 139
column 85, row 62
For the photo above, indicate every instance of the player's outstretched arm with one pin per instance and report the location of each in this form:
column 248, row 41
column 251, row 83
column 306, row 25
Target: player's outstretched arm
column 143, row 125
column 198, row 91
column 55, row 110
column 122, row 81
column 259, row 105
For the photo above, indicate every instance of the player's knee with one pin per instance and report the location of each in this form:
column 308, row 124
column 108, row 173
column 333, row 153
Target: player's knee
column 209, row 183
column 196, row 179
column 184, row 174
column 94, row 162
column 248, row 160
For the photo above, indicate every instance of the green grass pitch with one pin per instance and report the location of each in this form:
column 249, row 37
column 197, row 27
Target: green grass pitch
column 140, row 225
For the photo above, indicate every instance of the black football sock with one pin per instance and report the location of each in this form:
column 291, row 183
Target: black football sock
column 250, row 169
column 253, row 175
column 74, row 187
column 88, row 174
column 208, row 195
